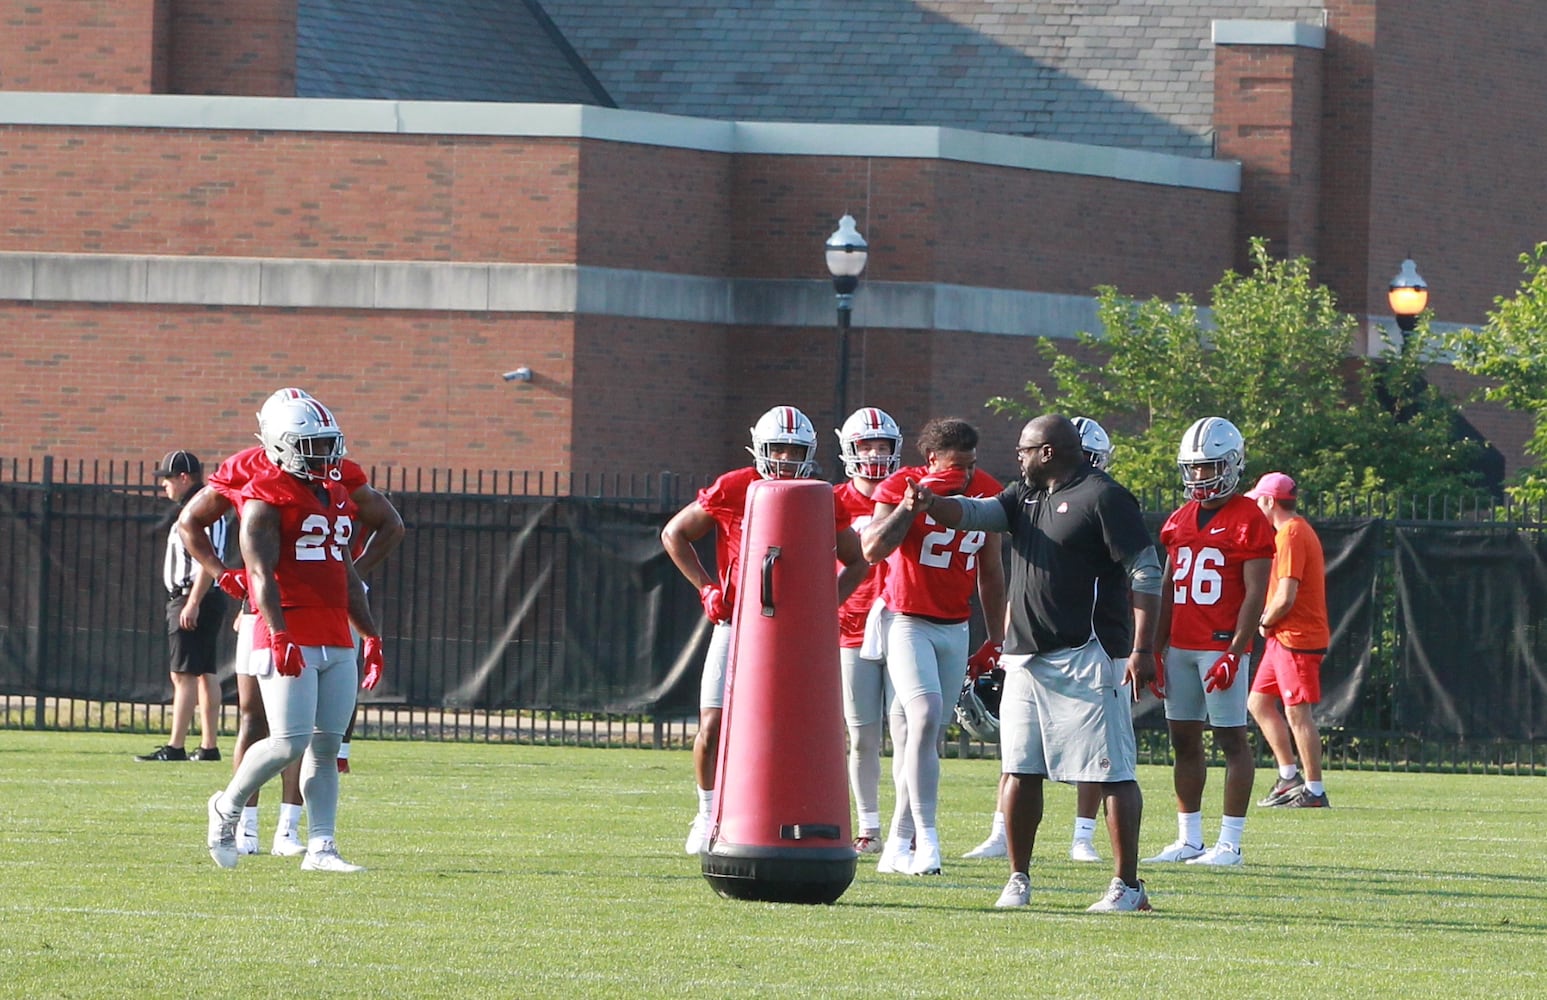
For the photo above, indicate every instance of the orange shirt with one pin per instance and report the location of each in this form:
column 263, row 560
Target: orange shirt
column 1297, row 556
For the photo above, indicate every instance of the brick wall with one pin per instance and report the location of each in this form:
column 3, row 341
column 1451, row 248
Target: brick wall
column 237, row 47
column 1267, row 114
column 288, row 194
column 411, row 389
column 1458, row 145
column 97, row 46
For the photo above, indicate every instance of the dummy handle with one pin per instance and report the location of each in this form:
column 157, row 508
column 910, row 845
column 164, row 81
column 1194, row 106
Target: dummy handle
column 768, row 565
column 809, row 831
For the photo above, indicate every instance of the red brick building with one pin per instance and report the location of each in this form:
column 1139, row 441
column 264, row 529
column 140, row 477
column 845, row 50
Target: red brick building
column 180, row 233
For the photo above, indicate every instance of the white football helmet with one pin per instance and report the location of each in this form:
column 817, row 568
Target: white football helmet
column 1094, row 441
column 783, row 425
column 1212, row 458
column 977, row 707
column 869, row 424
column 300, row 435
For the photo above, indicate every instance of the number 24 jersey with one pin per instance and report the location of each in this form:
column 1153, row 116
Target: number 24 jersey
column 934, row 572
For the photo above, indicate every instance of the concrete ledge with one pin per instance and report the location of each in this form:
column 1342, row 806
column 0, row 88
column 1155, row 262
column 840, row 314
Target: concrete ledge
column 533, row 288
column 574, row 121
column 1295, row 33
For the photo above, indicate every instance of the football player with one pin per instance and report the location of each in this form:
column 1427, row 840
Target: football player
column 870, row 445
column 1219, row 549
column 783, row 447
column 931, row 574
column 380, row 531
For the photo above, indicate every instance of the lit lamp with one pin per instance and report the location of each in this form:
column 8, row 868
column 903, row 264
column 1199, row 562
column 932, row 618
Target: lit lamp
column 847, row 253
column 1408, row 297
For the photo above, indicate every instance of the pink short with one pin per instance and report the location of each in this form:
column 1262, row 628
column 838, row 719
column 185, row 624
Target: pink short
column 1292, row 677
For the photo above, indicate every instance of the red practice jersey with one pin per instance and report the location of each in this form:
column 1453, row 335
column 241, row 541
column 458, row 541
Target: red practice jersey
column 314, row 538
column 856, row 509
column 934, row 572
column 1208, row 582
column 725, row 500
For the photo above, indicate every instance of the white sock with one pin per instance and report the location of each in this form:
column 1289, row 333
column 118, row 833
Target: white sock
column 250, row 822
column 289, row 819
column 1189, row 827
column 705, row 801
column 1084, row 829
column 343, row 751
column 1315, row 788
column 1288, row 771
column 870, row 823
column 1232, row 829
column 997, row 831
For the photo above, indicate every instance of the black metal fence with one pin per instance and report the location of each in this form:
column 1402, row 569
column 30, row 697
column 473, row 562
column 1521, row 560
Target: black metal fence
column 535, row 608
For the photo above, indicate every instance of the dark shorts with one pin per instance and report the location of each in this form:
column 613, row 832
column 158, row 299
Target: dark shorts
column 194, row 652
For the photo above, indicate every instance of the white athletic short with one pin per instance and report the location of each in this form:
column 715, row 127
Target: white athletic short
column 250, row 662
column 711, row 687
column 1186, row 701
column 1066, row 715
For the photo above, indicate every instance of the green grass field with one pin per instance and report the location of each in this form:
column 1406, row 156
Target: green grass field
column 518, row 871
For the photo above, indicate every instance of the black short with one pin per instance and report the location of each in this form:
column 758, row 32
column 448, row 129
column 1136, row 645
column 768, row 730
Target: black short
column 194, row 652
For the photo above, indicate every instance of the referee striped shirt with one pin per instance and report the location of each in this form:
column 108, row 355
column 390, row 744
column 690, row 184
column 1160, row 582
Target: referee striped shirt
column 178, row 568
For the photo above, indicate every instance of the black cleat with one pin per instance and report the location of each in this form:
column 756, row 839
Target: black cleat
column 205, row 753
column 164, row 753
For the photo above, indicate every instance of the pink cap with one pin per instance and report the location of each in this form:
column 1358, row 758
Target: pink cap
column 1275, row 485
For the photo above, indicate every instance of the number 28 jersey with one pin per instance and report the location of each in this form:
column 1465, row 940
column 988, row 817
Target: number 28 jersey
column 316, row 528
column 934, row 572
column 1208, row 581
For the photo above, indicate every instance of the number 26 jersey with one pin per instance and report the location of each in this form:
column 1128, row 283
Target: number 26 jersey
column 1208, row 581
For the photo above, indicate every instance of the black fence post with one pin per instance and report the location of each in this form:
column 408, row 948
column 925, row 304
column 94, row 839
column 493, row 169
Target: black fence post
column 45, row 573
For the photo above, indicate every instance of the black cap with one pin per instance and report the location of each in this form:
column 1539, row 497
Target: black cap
column 174, row 462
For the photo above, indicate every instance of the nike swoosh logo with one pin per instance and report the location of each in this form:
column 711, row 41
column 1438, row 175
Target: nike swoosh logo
column 1212, row 531
column 341, row 504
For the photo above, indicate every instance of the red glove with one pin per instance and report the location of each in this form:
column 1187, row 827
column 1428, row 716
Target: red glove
column 374, row 666
column 713, row 600
column 287, row 655
column 1158, row 685
column 233, row 582
column 985, row 659
column 1222, row 674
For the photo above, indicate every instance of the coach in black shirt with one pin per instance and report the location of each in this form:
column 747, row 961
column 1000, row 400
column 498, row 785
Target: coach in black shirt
column 1065, row 713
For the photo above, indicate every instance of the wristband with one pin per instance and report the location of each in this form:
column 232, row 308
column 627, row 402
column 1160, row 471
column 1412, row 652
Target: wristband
column 1131, row 652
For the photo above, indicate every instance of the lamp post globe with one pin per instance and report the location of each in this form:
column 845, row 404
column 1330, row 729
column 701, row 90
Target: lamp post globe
column 1408, row 296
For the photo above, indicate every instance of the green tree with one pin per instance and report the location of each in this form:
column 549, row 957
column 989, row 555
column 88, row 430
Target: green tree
column 1511, row 350
column 1273, row 357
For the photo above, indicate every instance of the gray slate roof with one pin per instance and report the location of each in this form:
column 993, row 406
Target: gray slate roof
column 1136, row 74
column 437, row 50
column 1131, row 73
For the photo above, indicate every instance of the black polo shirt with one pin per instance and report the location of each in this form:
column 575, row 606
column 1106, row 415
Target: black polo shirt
column 1063, row 541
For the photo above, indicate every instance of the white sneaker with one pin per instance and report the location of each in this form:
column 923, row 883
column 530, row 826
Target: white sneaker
column 1223, row 855
column 1083, row 850
column 926, row 857
column 868, row 843
column 994, row 847
column 246, row 844
column 896, row 857
column 325, row 859
column 1122, row 898
column 1017, row 892
column 286, row 845
column 1181, row 850
column 698, row 835
column 222, row 835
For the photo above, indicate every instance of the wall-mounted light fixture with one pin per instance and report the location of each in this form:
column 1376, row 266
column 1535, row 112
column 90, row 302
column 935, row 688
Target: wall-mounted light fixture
column 522, row 374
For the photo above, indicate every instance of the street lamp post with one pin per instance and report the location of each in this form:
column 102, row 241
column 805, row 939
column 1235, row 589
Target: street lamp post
column 847, row 253
column 1408, row 297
